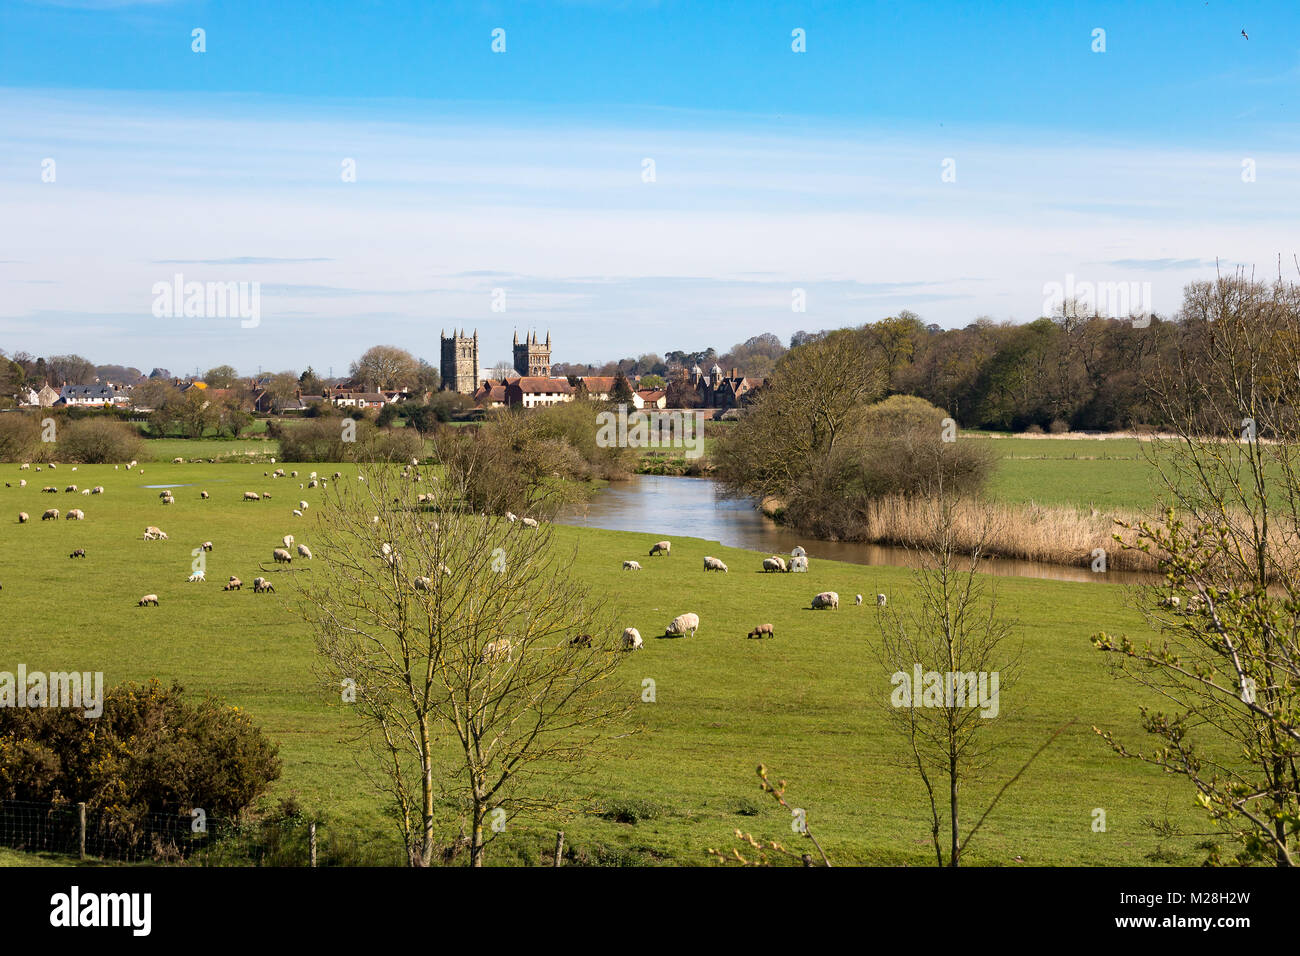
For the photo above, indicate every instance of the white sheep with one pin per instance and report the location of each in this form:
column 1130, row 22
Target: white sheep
column 304, row 552
column 511, row 516
column 207, row 545
column 661, row 547
column 494, row 650
column 773, row 564
column 632, row 639
column 51, row 514
column 881, row 600
column 282, row 556
column 154, row 533
column 97, row 490
column 798, row 564
column 252, row 496
column 203, row 495
column 76, row 514
column 683, row 624
column 22, row 517
column 70, row 490
column 423, row 583
column 177, row 461
column 530, row 522
column 297, row 513
column 148, row 599
column 631, row 566
column 85, row 491
column 827, row 599
column 196, row 577
column 858, row 600
column 288, row 540
column 262, row 584
column 302, row 506
column 713, row 564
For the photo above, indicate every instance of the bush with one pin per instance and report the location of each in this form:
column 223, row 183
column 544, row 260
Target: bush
column 19, row 436
column 151, row 751
column 321, row 440
column 98, row 441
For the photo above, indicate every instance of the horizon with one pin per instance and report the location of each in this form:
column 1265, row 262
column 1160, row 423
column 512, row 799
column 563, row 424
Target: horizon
column 522, row 171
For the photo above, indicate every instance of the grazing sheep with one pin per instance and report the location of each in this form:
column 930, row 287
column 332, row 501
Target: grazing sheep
column 49, row 490
column 282, row 556
column 530, row 522
column 683, row 624
column 85, row 491
column 827, row 599
column 798, row 564
column 266, row 496
column 79, row 553
column 773, row 564
column 881, row 600
column 196, row 577
column 304, row 552
column 312, row 475
column 262, row 584
column 70, row 490
column 164, row 493
column 338, row 475
column 22, row 483
column 661, row 547
column 203, row 495
column 713, row 564
column 293, row 474
column 169, row 500
column 423, row 583
column 288, row 540
column 177, row 461
column 297, row 513
column 511, row 516
column 302, row 506
column 494, row 650
column 251, row 496
column 76, row 514
column 234, row 584
column 53, row 465
column 631, row 566
column 22, row 517
column 582, row 640
column 97, row 490
column 148, row 599
column 858, row 599
column 632, row 639
column 798, row 552
column 207, row 545
column 312, row 483
column 762, row 631
column 153, row 533
column 51, row 515
column 24, row 466
column 442, row 569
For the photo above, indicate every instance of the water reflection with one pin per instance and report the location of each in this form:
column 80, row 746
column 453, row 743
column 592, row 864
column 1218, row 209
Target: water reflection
column 665, row 506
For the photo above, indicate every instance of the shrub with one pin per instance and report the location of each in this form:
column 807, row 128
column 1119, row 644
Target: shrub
column 97, row 441
column 19, row 436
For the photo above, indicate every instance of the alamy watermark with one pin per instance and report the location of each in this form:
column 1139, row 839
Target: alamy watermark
column 208, row 300
column 1116, row 300
column 656, row 429
column 924, row 688
column 73, row 690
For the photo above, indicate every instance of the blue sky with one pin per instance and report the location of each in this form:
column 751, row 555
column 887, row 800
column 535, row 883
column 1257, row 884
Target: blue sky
column 522, row 171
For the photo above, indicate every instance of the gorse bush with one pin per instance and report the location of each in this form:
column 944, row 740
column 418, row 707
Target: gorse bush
column 153, row 750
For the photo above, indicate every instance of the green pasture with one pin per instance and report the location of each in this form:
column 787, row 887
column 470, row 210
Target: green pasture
column 808, row 703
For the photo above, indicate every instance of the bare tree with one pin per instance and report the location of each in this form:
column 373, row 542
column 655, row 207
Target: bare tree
column 1227, row 665
column 951, row 659
column 452, row 631
column 386, row 366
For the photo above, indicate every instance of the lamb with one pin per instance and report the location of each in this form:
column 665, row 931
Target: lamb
column 22, row 517
column 302, row 506
column 304, row 552
column 51, row 514
column 493, row 650
column 251, row 496
column 262, row 584
column 683, row 624
column 827, row 599
column 632, row 639
column 234, row 584
column 79, row 553
column 196, row 577
column 76, row 514
column 661, row 547
column 798, row 564
column 713, row 564
column 762, row 631
column 266, row 496
column 511, row 516
column 203, row 495
column 282, row 556
column 773, row 564
column 530, row 522
column 85, row 491
column 288, row 540
column 297, row 513
column 881, row 600
column 148, row 599
column 631, row 566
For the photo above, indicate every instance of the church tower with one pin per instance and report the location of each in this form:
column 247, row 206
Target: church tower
column 460, row 362
column 533, row 358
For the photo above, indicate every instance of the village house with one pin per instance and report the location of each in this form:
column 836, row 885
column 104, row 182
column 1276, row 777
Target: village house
column 718, row 390
column 490, row 394
column 90, row 395
column 535, row 391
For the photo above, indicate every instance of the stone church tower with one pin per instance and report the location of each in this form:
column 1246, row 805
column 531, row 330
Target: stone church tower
column 532, row 357
column 460, row 362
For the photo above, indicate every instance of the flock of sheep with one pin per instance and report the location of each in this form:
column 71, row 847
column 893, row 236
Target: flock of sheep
column 154, row 533
column 687, row 624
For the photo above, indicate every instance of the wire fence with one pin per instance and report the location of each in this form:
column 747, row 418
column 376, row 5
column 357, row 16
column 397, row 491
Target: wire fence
column 73, row 829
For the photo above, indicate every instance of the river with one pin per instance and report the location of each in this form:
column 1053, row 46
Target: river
column 692, row 507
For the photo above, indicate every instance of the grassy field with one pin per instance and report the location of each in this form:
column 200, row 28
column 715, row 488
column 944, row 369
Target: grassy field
column 1110, row 473
column 809, row 704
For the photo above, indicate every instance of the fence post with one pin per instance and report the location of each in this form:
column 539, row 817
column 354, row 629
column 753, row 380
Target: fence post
column 559, row 846
column 313, row 843
column 81, row 831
